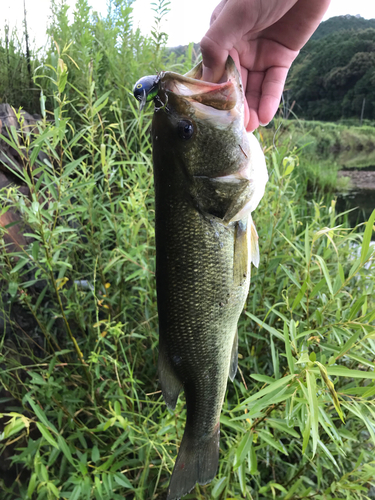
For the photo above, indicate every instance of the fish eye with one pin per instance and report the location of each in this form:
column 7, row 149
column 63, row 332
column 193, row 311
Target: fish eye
column 185, row 129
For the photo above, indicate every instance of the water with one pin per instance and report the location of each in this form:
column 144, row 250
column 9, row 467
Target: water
column 361, row 198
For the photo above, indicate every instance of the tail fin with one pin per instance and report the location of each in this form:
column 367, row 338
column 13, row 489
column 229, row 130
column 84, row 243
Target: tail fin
column 197, row 462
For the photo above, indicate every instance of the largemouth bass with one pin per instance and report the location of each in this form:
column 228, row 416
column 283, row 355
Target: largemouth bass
column 209, row 176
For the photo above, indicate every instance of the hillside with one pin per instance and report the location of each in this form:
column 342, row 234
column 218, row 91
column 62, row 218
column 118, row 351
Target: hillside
column 334, row 75
column 342, row 23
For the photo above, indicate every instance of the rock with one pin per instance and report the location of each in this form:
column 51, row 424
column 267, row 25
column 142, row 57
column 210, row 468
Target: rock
column 12, row 163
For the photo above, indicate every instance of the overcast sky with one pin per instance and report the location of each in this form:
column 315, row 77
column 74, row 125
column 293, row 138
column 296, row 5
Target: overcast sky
column 186, row 22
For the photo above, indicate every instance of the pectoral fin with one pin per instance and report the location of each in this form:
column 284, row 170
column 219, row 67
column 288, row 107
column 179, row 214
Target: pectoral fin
column 170, row 385
column 241, row 253
column 234, row 358
column 254, row 247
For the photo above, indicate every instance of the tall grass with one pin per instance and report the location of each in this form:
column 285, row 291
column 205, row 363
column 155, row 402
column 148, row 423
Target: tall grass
column 82, row 411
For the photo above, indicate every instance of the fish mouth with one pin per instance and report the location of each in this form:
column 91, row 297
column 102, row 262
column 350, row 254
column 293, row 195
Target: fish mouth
column 220, row 102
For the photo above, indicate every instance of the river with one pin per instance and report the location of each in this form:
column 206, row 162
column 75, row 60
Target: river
column 361, row 192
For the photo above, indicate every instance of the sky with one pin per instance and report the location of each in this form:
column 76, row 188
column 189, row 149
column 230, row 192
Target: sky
column 183, row 23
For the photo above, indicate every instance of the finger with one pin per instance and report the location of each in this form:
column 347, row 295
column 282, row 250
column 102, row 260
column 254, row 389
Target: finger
column 246, row 114
column 304, row 17
column 253, row 96
column 217, row 11
column 241, row 69
column 219, row 40
column 253, row 122
column 272, row 87
column 213, row 58
column 254, row 88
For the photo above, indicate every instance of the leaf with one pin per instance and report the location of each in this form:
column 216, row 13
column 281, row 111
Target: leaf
column 317, row 288
column 306, row 434
column 15, row 425
column 218, row 488
column 122, row 480
column 356, row 307
column 328, row 453
column 95, row 454
column 242, row 478
column 269, row 329
column 348, row 344
column 370, row 392
column 307, row 244
column 39, row 413
column 20, row 265
column 342, row 371
column 32, row 484
column 243, row 449
column 268, row 438
column 273, row 398
column 117, row 408
column 300, row 295
column 54, row 490
column 272, row 387
column 70, row 167
column 275, row 359
column 40, row 298
column 76, row 493
column 47, row 435
column 65, row 449
column 282, row 426
column 98, row 487
column 253, row 461
column 35, row 250
column 326, row 273
column 331, row 388
column 12, row 288
column 313, row 406
column 367, row 237
column 262, row 378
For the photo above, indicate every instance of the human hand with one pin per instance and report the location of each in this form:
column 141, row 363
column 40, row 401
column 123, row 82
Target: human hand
column 263, row 37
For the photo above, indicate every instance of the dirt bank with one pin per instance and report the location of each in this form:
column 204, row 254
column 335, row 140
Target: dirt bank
column 359, row 179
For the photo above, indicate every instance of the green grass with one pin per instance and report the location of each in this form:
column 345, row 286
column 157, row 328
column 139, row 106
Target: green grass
column 324, row 148
column 83, row 416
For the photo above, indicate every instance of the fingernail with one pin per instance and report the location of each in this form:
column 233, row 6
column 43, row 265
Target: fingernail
column 263, row 124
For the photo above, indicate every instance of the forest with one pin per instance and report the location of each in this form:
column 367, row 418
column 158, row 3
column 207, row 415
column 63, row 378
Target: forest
column 81, row 411
column 334, row 76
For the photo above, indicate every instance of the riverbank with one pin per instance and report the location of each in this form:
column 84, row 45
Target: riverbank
column 335, row 157
column 347, row 144
column 331, row 140
column 358, row 179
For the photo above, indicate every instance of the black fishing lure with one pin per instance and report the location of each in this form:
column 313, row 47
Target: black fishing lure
column 146, row 89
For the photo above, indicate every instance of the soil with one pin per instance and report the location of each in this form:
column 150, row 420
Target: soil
column 359, row 179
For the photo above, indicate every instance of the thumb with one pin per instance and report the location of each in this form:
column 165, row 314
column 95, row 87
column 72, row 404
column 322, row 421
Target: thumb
column 214, row 58
column 216, row 44
column 225, row 31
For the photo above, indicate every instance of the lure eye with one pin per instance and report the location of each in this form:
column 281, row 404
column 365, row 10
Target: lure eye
column 185, row 129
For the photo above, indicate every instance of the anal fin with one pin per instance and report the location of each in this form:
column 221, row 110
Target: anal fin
column 170, row 384
column 234, row 358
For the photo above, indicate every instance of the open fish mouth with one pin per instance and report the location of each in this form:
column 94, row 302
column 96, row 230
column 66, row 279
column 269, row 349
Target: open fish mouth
column 216, row 102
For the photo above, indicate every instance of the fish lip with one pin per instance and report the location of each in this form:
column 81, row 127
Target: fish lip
column 221, row 96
